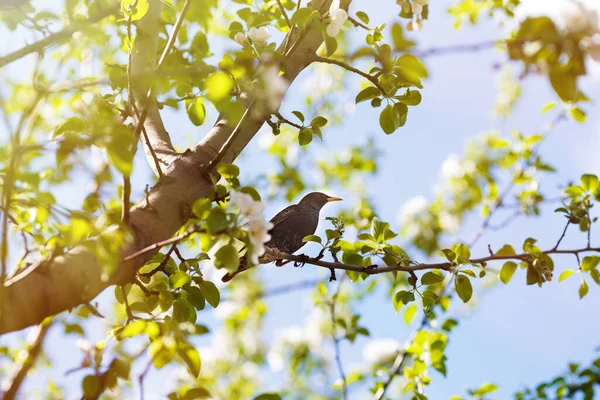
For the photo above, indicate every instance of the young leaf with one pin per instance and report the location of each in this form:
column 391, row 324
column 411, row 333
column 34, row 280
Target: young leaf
column 507, row 271
column 431, row 278
column 463, row 288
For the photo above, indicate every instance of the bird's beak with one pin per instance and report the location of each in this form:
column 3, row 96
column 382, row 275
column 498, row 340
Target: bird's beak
column 333, row 199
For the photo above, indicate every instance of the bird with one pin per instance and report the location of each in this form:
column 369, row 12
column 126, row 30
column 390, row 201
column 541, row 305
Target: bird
column 290, row 226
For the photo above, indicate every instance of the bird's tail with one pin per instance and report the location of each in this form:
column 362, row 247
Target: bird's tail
column 241, row 268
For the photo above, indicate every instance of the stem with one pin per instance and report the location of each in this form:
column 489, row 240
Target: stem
column 350, row 68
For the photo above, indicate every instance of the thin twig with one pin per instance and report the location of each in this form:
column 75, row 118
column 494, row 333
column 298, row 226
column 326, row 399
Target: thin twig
column 58, row 37
column 130, row 316
column 563, row 235
column 221, row 153
column 126, row 199
column 357, row 23
column 33, row 352
column 336, row 343
column 287, row 20
column 141, row 379
column 287, row 121
column 460, row 48
column 350, row 68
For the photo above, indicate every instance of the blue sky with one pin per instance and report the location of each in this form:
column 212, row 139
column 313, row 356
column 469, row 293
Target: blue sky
column 517, row 335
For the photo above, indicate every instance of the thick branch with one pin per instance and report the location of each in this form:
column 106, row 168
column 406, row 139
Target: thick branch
column 58, row 37
column 78, row 276
column 159, row 150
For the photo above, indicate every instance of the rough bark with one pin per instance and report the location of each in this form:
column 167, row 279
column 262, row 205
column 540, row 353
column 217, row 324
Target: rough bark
column 75, row 278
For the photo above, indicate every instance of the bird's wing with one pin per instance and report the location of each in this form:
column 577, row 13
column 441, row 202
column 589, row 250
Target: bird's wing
column 283, row 215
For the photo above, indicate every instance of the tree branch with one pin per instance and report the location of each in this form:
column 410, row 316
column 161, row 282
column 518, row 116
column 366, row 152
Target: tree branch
column 58, row 37
column 444, row 266
column 23, row 368
column 373, row 79
column 76, row 277
column 157, row 143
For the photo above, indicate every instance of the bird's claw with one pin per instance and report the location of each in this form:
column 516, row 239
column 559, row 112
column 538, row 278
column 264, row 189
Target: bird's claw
column 303, row 259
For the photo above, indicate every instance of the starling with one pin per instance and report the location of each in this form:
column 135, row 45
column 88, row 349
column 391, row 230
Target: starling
column 290, row 226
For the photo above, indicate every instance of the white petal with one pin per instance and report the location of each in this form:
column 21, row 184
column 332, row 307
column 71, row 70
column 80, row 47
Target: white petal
column 332, row 30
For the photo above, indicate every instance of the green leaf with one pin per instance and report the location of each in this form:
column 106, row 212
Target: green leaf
column 449, row 254
column 367, row 236
column 196, row 110
column 196, row 393
column 409, row 314
column 196, row 298
column 121, row 149
column 565, row 274
column 577, row 114
column 367, row 94
column 564, row 84
column 302, row 16
column 589, row 182
column 506, row 250
column 363, row 17
column 91, row 386
column 218, row 86
column 463, row 254
column 463, row 288
column 216, row 221
column 403, row 297
column 507, row 271
column 228, row 171
column 548, row 107
column 410, row 98
column 330, row 44
column 162, row 351
column 189, row 355
column 319, row 122
column 386, row 119
column 210, row 292
column 299, row 115
column 183, row 311
column 332, row 234
column 121, row 367
column 137, row 12
column 312, row 238
column 583, row 289
column 431, row 278
column 73, row 125
column 304, row 136
column 268, row 396
column 133, row 328
column 178, row 279
column 227, row 257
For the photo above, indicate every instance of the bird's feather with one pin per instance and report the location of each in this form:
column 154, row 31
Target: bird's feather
column 283, row 214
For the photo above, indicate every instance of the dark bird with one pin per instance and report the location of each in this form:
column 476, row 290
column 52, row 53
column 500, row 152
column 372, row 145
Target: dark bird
column 290, row 226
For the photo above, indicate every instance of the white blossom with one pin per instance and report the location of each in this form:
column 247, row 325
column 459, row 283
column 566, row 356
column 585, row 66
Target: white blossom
column 417, row 8
column 240, row 38
column 258, row 232
column 414, row 26
column 338, row 16
column 379, row 351
column 449, row 222
column 247, row 205
column 84, row 345
column 274, row 87
column 412, row 208
column 452, row 167
column 260, row 35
